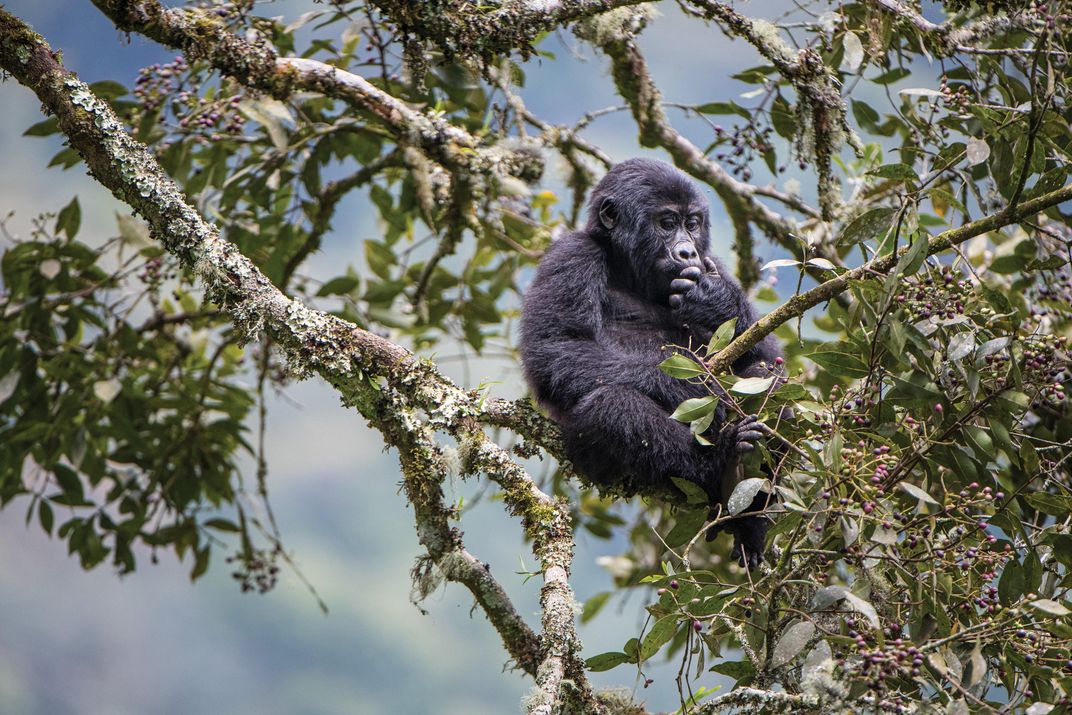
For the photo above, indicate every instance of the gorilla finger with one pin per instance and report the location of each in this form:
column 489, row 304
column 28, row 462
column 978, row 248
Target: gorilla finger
column 675, row 300
column 709, row 263
column 745, row 446
column 750, row 435
column 736, row 553
column 682, row 285
column 754, row 559
column 693, row 273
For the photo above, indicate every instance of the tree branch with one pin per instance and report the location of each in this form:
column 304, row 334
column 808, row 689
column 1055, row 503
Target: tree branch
column 875, row 268
column 384, row 381
column 457, row 28
column 255, row 64
column 944, row 38
column 819, row 102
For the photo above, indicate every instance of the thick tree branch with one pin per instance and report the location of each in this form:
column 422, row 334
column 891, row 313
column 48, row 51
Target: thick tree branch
column 877, row 268
column 383, row 380
column 424, row 469
column 945, row 39
column 255, row 64
column 458, row 28
column 547, row 522
column 751, row 699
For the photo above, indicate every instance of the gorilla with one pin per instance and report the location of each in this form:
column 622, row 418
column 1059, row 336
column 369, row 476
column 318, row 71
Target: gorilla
column 596, row 322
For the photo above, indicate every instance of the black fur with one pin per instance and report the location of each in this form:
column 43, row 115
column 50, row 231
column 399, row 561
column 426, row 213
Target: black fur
column 605, row 302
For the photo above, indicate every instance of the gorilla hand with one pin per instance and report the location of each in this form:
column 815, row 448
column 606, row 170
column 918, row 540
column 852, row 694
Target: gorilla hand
column 686, row 280
column 749, row 532
column 749, row 539
column 748, row 431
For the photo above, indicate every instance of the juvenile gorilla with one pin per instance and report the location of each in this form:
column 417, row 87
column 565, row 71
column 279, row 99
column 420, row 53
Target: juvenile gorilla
column 604, row 303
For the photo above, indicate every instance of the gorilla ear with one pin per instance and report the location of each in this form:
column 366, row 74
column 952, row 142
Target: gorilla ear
column 608, row 214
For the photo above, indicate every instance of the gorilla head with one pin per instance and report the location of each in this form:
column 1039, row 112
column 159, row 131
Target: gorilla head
column 655, row 222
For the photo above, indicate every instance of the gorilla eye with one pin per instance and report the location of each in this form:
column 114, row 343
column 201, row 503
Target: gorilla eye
column 692, row 224
column 667, row 222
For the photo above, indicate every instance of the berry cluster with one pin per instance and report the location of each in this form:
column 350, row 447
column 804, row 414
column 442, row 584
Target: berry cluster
column 958, row 98
column 744, row 144
column 928, row 296
column 157, row 82
column 1043, row 363
column 161, row 86
column 257, row 570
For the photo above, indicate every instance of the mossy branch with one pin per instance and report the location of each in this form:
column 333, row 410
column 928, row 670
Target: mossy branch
column 254, row 63
column 387, row 383
column 946, row 39
column 489, row 32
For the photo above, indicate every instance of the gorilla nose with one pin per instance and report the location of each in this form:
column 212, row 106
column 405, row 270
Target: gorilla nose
column 686, row 252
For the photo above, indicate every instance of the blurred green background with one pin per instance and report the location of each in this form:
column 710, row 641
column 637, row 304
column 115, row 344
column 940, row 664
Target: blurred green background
column 92, row 643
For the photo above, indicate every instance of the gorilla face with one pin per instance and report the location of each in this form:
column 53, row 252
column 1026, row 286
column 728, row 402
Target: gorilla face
column 655, row 222
column 676, row 233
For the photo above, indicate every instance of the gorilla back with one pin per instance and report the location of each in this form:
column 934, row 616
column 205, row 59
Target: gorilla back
column 605, row 303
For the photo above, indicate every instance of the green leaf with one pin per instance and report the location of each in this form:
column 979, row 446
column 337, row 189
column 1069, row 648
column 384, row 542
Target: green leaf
column 678, row 365
column 791, row 643
column 687, row 526
column 45, row 516
column 222, row 525
column 779, row 263
column 1011, row 584
column 723, row 108
column 694, row 493
column 339, row 286
column 1048, row 503
column 43, row 129
column 960, row 346
column 911, row 260
column 867, row 226
column 593, row 606
column 898, row 172
column 606, row 661
column 108, row 89
column 69, row 219
column 744, row 493
column 894, row 75
column 722, row 337
column 839, row 364
column 695, row 408
column 736, row 669
column 1052, row 608
column 659, row 635
column 753, row 385
column 917, row 493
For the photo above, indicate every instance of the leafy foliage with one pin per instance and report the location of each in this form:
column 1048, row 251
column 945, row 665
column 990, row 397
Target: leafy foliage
column 921, row 549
